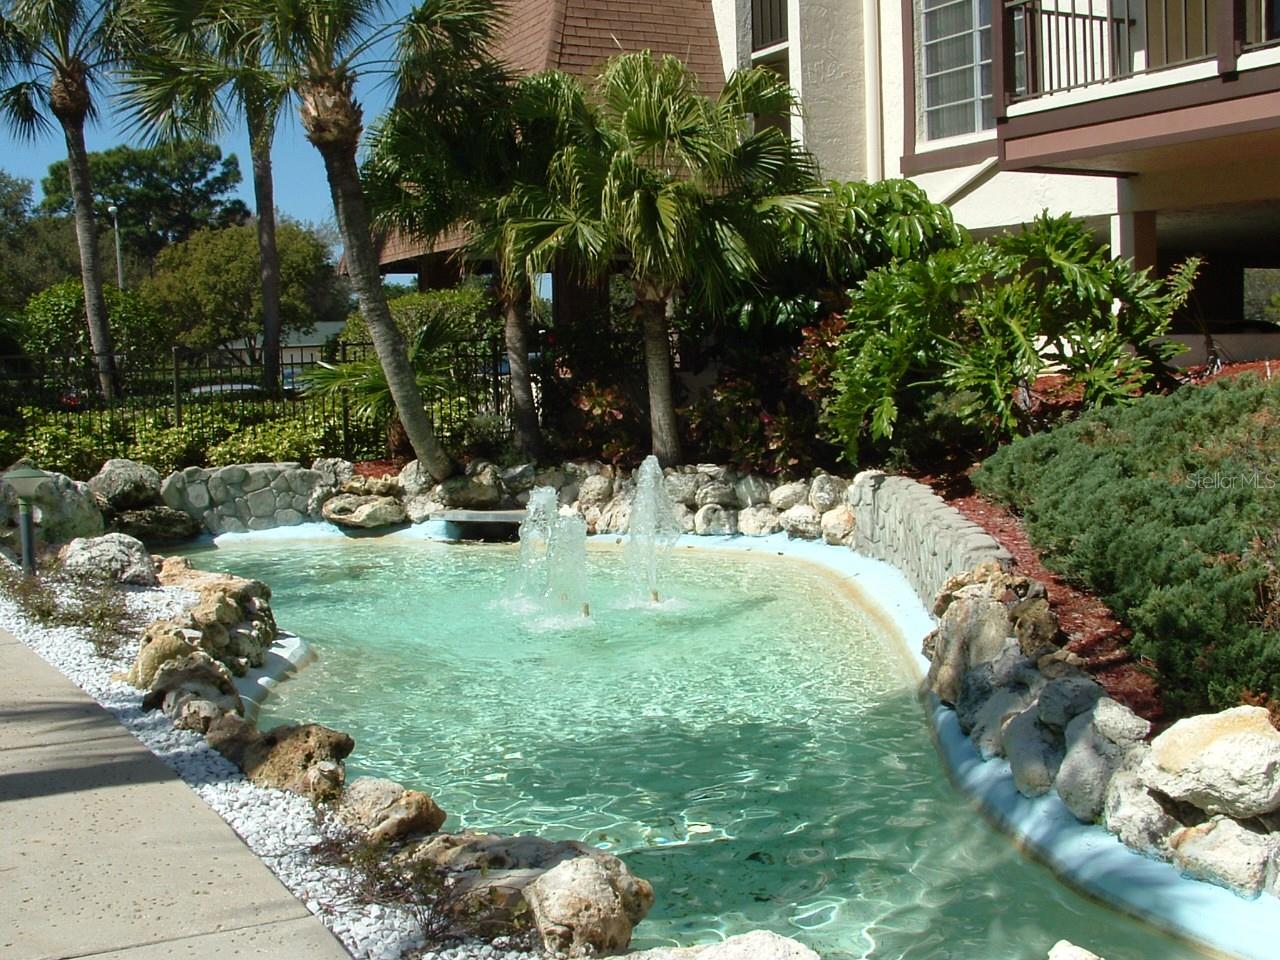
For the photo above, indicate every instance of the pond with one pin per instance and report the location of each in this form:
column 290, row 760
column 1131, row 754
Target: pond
column 752, row 745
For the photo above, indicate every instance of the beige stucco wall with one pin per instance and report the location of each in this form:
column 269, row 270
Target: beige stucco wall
column 827, row 36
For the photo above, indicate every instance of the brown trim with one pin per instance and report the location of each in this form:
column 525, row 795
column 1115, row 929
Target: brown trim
column 914, row 161
column 1155, row 131
column 1230, row 30
column 908, row 84
column 1127, row 106
column 947, row 158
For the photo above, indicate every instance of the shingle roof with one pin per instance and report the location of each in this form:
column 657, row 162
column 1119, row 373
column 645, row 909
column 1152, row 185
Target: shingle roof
column 577, row 36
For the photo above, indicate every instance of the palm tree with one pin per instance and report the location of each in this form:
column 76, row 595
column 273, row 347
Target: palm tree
column 462, row 173
column 180, row 63
column 52, row 56
column 677, row 187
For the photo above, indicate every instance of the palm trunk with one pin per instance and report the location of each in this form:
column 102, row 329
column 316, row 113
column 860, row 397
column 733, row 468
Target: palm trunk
column 524, row 413
column 260, row 129
column 95, row 306
column 664, row 429
column 362, row 264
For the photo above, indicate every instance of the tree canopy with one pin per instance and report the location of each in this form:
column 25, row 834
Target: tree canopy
column 210, row 284
column 164, row 194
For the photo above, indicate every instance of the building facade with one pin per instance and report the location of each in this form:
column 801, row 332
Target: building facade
column 1156, row 121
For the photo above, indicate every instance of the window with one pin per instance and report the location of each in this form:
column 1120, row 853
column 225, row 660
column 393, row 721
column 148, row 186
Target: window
column 956, row 67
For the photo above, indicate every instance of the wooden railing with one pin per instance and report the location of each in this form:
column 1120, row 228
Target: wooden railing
column 1050, row 46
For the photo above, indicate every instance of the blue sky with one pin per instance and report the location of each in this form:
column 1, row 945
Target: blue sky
column 301, row 189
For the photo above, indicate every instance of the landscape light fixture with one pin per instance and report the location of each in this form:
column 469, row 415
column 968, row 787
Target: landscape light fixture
column 25, row 481
column 115, row 226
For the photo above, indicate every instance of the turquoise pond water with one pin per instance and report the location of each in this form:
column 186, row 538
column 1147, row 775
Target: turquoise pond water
column 750, row 746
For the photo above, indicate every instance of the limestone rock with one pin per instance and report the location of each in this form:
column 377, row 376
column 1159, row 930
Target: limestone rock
column 576, row 911
column 363, row 512
column 837, row 524
column 125, row 485
column 156, row 525
column 178, row 572
column 615, row 516
column 495, row 871
column 1098, row 742
column 826, row 491
column 758, row 521
column 1133, row 814
column 162, row 641
column 414, row 480
column 801, row 522
column 718, row 492
column 713, row 520
column 990, row 720
column 1062, row 700
column 1221, row 851
column 334, row 470
column 1034, row 752
column 972, row 630
column 422, row 507
column 518, row 479
column 62, row 509
column 305, row 759
column 789, row 495
column 595, row 491
column 386, row 811
column 194, row 677
column 112, row 556
column 752, row 491
column 683, row 487
column 472, row 493
column 1226, row 762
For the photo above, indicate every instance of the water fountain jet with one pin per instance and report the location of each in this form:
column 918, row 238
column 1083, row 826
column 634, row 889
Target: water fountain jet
column 653, row 529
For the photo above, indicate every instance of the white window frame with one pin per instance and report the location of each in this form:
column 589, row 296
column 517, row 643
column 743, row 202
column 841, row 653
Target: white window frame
column 978, row 127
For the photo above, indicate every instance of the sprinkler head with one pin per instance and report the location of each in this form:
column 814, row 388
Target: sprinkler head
column 586, row 610
column 653, row 596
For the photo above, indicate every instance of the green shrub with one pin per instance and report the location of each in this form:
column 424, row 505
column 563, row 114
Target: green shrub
column 54, row 323
column 468, row 307
column 300, row 440
column 1170, row 510
column 985, row 319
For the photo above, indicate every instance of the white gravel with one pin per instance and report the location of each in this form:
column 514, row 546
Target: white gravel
column 279, row 827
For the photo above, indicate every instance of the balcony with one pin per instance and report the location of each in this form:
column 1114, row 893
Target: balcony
column 1129, row 86
column 1061, row 45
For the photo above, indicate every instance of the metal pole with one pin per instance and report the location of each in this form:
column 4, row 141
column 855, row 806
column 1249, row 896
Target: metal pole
column 27, row 533
column 115, row 224
column 177, row 391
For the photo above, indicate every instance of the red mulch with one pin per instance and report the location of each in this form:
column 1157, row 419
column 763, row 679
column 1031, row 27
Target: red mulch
column 379, row 468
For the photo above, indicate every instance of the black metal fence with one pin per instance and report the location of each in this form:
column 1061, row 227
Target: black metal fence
column 210, row 394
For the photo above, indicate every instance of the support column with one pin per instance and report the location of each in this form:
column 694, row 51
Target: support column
column 1133, row 236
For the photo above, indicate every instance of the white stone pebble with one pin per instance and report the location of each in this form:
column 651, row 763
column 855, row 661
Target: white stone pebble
column 279, row 827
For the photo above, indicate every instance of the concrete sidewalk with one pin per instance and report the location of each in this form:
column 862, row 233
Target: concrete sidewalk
column 106, row 853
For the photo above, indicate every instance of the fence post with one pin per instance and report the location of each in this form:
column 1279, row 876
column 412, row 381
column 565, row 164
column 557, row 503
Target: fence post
column 177, row 391
column 347, row 447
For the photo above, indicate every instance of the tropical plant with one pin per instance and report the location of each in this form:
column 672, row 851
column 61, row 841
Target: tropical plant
column 364, row 381
column 985, row 319
column 675, row 186
column 53, row 54
column 315, row 51
column 462, row 172
column 191, row 76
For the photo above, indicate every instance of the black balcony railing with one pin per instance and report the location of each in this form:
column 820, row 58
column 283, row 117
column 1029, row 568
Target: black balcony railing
column 1051, row 46
column 768, row 23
